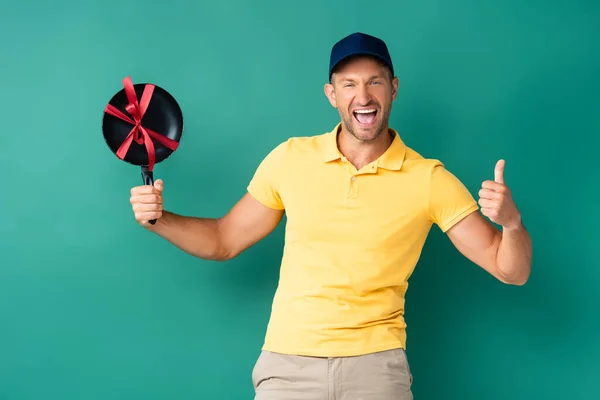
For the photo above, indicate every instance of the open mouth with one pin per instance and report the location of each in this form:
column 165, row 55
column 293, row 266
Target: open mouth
column 365, row 117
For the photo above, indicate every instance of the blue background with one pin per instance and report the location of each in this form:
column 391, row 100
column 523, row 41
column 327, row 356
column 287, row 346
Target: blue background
column 92, row 306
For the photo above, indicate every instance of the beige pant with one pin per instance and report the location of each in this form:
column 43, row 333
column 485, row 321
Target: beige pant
column 378, row 376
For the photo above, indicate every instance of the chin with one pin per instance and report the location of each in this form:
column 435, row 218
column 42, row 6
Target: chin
column 366, row 137
column 362, row 132
column 366, row 134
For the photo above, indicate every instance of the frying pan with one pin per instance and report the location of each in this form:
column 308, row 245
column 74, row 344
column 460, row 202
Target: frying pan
column 142, row 125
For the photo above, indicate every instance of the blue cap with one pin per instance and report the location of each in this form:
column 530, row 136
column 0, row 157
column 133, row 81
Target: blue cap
column 359, row 44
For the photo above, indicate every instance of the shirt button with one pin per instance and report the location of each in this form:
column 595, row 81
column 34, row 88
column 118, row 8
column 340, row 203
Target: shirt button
column 353, row 178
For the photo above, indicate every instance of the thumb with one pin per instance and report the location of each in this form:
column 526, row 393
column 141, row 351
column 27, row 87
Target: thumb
column 159, row 185
column 499, row 171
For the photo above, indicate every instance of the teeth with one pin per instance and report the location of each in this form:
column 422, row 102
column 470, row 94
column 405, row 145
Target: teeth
column 372, row 110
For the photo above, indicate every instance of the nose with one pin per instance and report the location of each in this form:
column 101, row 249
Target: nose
column 362, row 95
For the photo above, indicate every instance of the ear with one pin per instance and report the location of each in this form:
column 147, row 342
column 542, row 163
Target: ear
column 330, row 93
column 394, row 87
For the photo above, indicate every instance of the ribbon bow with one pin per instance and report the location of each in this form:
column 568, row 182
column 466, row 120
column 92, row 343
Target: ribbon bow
column 138, row 133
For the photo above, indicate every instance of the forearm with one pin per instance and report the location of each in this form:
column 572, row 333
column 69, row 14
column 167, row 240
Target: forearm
column 199, row 237
column 514, row 255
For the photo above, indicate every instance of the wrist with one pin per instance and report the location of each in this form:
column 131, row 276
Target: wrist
column 514, row 226
column 159, row 224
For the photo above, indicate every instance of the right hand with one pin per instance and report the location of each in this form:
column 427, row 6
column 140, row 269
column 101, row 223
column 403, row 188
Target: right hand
column 147, row 202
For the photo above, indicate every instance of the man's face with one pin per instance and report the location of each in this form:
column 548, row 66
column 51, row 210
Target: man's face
column 363, row 91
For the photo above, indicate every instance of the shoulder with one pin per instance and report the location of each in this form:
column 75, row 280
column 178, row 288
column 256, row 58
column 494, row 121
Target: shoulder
column 417, row 163
column 298, row 146
column 438, row 181
column 431, row 173
column 303, row 144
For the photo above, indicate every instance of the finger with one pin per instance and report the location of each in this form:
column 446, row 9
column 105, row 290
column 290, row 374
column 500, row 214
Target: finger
column 499, row 171
column 489, row 194
column 494, row 186
column 159, row 185
column 145, row 207
column 491, row 213
column 146, row 189
column 486, row 203
column 147, row 199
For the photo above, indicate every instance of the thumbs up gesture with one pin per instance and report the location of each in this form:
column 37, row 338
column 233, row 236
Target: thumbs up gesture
column 496, row 200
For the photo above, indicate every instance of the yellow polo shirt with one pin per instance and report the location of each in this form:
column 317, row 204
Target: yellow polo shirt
column 352, row 240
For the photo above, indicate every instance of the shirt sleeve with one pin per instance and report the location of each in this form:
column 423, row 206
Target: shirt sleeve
column 266, row 182
column 449, row 200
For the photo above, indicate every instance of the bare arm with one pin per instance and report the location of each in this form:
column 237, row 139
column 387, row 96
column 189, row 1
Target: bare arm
column 217, row 239
column 505, row 254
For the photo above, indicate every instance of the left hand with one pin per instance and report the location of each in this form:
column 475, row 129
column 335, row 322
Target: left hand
column 496, row 200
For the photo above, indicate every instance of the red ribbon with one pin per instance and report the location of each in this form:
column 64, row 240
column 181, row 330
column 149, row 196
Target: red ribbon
column 138, row 133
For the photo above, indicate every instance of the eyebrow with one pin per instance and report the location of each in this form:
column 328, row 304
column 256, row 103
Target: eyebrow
column 377, row 76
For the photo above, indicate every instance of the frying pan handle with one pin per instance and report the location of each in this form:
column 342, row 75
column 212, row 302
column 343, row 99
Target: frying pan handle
column 148, row 178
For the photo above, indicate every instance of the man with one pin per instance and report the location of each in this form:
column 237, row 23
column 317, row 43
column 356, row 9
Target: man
column 359, row 206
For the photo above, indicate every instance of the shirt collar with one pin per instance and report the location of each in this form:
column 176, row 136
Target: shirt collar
column 391, row 159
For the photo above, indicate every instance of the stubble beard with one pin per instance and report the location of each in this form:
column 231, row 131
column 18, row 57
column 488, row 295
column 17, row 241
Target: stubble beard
column 381, row 127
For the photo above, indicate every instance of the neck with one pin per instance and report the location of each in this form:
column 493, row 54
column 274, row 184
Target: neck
column 361, row 153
